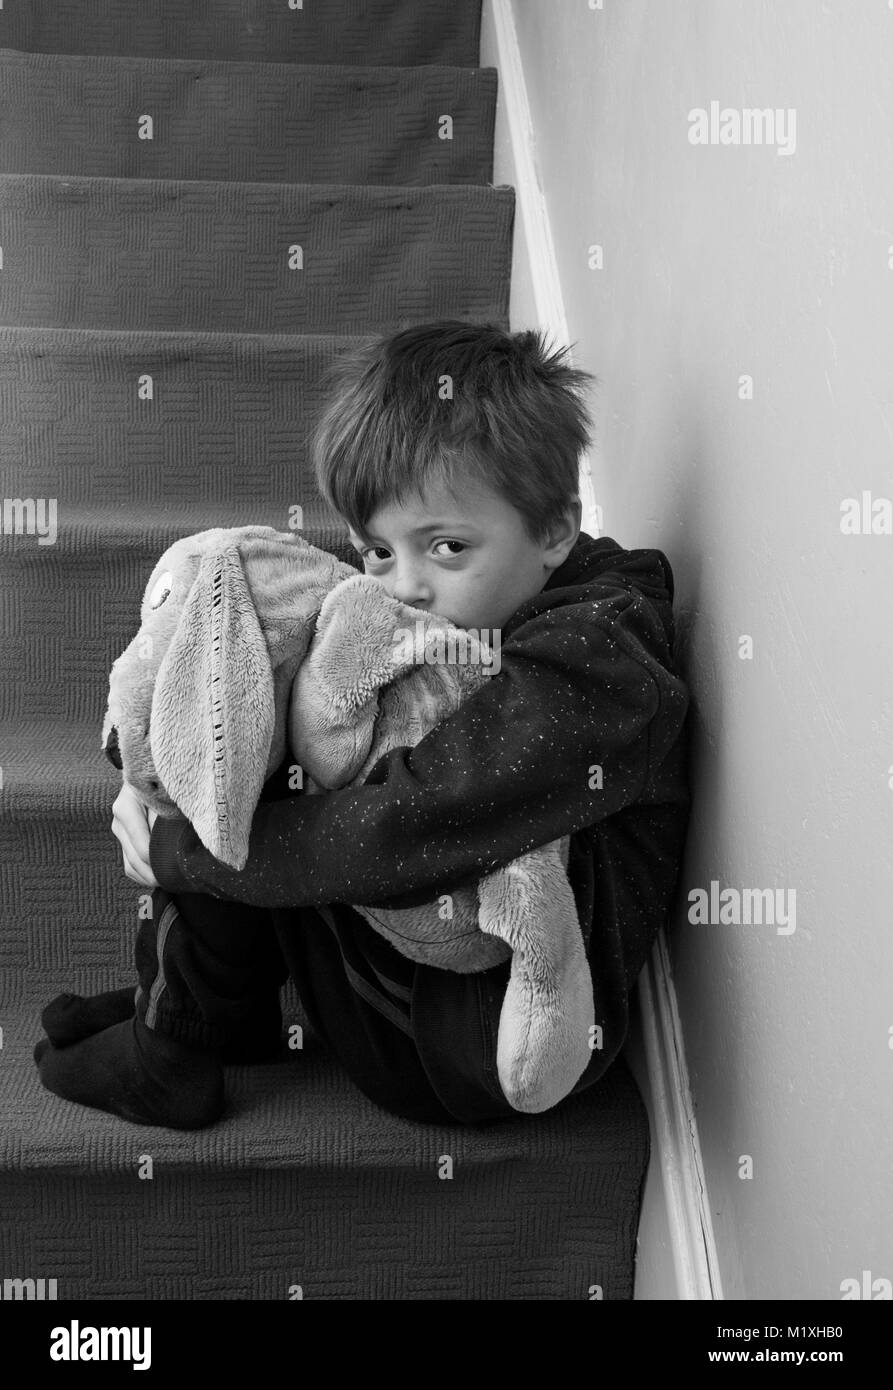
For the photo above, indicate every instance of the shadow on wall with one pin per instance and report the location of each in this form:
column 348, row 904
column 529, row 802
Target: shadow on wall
column 694, row 648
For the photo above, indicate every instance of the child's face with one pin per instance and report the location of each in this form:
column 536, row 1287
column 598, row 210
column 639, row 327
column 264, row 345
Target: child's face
column 471, row 562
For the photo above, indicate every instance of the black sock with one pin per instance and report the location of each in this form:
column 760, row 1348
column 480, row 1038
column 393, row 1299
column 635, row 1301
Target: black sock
column 143, row 1076
column 69, row 1018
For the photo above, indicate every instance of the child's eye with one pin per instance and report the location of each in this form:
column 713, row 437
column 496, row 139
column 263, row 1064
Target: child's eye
column 371, row 550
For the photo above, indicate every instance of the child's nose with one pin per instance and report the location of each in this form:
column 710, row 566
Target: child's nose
column 411, row 588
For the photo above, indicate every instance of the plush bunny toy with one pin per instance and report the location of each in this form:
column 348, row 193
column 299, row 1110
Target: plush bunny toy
column 254, row 643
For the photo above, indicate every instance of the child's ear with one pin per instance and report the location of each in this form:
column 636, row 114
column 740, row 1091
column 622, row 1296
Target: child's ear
column 213, row 708
column 565, row 533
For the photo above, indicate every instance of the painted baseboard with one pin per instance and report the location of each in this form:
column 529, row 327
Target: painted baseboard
column 536, row 300
column 676, row 1250
column 682, row 1207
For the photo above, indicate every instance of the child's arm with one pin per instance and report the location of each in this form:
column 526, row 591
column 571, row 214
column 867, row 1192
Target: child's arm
column 581, row 685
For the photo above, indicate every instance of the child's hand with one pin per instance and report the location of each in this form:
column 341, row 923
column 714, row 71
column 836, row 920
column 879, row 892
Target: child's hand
column 131, row 825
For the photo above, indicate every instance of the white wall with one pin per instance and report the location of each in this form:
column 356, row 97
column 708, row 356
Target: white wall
column 721, row 261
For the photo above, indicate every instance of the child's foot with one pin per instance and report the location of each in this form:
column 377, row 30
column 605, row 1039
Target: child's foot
column 143, row 1076
column 69, row 1018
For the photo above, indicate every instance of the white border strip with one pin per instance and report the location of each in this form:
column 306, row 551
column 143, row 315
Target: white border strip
column 530, row 205
column 677, row 1144
column 675, row 1141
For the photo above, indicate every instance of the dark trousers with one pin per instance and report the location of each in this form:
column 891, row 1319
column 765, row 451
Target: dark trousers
column 210, row 973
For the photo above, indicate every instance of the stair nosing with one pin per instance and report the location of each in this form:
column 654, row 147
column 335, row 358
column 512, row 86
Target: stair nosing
column 230, row 64
column 399, row 191
column 178, row 333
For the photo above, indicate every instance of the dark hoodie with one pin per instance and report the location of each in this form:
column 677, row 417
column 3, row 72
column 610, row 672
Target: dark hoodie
column 587, row 677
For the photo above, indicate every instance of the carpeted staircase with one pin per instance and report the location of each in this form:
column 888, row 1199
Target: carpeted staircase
column 167, row 307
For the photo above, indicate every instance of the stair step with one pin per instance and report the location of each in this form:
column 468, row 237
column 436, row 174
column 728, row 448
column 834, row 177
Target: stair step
column 68, row 908
column 271, row 122
column 69, row 911
column 68, row 610
column 53, row 769
column 305, row 1181
column 183, row 254
column 339, row 31
column 226, row 429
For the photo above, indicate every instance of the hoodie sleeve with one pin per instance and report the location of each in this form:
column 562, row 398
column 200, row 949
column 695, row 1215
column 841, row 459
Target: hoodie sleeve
column 558, row 739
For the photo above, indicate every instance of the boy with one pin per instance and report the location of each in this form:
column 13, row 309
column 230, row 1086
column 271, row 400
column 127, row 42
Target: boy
column 463, row 502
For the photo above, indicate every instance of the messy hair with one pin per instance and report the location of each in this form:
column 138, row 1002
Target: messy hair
column 452, row 402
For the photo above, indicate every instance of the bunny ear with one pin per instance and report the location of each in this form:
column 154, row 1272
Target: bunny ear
column 548, row 1009
column 213, row 709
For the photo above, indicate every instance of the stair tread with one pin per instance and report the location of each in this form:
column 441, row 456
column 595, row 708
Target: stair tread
column 224, row 436
column 372, row 193
column 300, row 1110
column 179, row 253
column 73, row 336
column 266, row 71
column 55, row 768
column 282, row 122
column 425, row 31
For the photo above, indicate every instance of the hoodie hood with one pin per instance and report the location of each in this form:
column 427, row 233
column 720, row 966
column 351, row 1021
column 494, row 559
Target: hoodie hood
column 597, row 568
column 600, row 560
